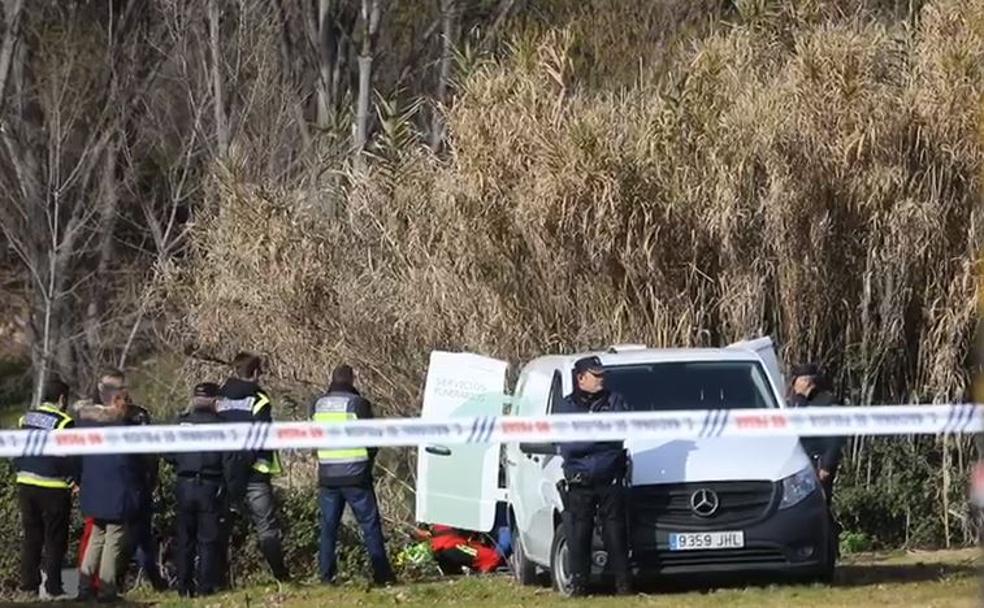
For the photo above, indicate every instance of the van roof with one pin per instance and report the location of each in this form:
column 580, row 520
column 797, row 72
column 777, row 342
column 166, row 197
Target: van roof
column 649, row 355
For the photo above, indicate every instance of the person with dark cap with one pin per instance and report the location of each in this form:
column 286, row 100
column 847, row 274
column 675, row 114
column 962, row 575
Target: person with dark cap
column 243, row 400
column 44, row 493
column 203, row 481
column 594, row 482
column 807, row 389
column 345, row 477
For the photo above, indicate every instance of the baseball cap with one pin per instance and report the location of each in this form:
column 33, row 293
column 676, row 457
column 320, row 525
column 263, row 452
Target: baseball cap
column 589, row 364
column 206, row 389
column 805, row 369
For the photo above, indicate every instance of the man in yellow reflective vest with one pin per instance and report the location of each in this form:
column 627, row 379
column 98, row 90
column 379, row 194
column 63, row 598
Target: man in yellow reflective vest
column 345, row 477
column 44, row 487
column 243, row 400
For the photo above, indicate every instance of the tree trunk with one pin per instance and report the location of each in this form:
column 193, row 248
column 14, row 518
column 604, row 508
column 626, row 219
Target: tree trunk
column 12, row 14
column 106, row 227
column 218, row 97
column 449, row 39
column 371, row 12
column 289, row 74
column 327, row 46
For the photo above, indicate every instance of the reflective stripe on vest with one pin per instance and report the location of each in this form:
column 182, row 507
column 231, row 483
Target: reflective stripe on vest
column 46, row 416
column 263, row 465
column 41, row 481
column 339, row 456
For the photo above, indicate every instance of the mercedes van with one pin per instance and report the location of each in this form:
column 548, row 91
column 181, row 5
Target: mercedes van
column 710, row 505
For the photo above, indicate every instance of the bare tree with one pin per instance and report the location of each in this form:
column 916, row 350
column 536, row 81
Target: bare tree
column 60, row 135
column 12, row 10
column 371, row 15
column 218, row 87
column 450, row 20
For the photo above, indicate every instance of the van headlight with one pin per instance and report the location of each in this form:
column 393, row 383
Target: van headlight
column 798, row 486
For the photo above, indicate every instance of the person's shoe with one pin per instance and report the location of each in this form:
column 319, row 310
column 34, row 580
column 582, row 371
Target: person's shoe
column 52, row 595
column 157, row 582
column 623, row 587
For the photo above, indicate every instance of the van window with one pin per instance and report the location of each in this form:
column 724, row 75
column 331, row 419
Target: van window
column 692, row 385
column 556, row 393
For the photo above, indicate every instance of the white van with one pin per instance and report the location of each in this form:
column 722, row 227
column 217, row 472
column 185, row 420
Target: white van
column 695, row 505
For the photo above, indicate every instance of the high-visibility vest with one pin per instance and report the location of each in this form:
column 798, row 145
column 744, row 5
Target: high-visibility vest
column 43, row 471
column 248, row 409
column 336, row 408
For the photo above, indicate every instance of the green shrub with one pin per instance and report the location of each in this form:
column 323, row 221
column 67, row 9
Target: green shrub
column 854, row 542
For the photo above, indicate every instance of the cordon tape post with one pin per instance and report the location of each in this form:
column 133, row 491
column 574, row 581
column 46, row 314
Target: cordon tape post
column 689, row 424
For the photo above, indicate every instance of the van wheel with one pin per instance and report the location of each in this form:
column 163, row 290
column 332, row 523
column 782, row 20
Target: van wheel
column 560, row 573
column 523, row 569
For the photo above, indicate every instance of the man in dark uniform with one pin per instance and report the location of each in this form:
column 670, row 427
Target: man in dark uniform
column 594, row 472
column 44, row 492
column 243, row 400
column 202, row 482
column 345, row 477
column 807, row 390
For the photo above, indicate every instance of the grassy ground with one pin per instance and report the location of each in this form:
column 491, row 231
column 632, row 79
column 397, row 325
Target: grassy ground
column 938, row 579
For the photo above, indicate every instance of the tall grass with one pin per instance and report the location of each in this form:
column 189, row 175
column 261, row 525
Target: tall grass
column 808, row 170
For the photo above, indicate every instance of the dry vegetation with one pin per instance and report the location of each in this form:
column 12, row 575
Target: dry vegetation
column 805, row 169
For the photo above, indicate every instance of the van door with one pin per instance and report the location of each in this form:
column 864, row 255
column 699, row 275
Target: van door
column 458, row 484
column 534, row 474
column 765, row 348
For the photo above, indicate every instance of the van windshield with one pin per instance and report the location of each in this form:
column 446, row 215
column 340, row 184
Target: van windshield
column 691, row 385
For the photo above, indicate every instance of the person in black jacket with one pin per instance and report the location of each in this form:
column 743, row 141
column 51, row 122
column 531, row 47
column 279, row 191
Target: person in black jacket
column 807, row 390
column 345, row 477
column 594, row 476
column 203, row 481
column 45, row 497
column 243, row 400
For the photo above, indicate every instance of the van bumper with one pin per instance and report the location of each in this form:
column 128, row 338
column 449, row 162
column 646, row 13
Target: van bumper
column 795, row 541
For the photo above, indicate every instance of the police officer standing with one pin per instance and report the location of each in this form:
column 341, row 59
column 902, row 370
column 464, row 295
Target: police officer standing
column 44, row 494
column 345, row 477
column 203, row 481
column 807, row 390
column 594, row 476
column 243, row 400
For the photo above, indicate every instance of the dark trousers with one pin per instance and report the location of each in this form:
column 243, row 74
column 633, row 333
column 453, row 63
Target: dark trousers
column 140, row 531
column 362, row 500
column 608, row 501
column 199, row 513
column 45, row 515
column 263, row 513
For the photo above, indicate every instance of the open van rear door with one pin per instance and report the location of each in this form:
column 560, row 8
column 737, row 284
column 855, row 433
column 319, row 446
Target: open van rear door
column 766, row 350
column 458, row 484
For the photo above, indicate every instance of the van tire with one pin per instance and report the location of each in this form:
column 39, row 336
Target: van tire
column 560, row 577
column 523, row 569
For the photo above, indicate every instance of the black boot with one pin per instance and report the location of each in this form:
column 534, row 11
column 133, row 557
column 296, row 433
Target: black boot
column 274, row 555
column 623, row 586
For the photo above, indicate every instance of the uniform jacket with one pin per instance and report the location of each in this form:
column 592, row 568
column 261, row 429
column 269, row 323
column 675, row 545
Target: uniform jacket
column 225, row 468
column 245, row 401
column 47, row 471
column 826, row 451
column 338, row 468
column 593, row 461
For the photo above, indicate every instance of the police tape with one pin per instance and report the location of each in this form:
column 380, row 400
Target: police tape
column 690, row 424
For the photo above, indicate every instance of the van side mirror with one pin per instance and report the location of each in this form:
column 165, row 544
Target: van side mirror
column 544, row 449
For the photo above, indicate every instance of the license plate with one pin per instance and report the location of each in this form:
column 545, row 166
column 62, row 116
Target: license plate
column 693, row 541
